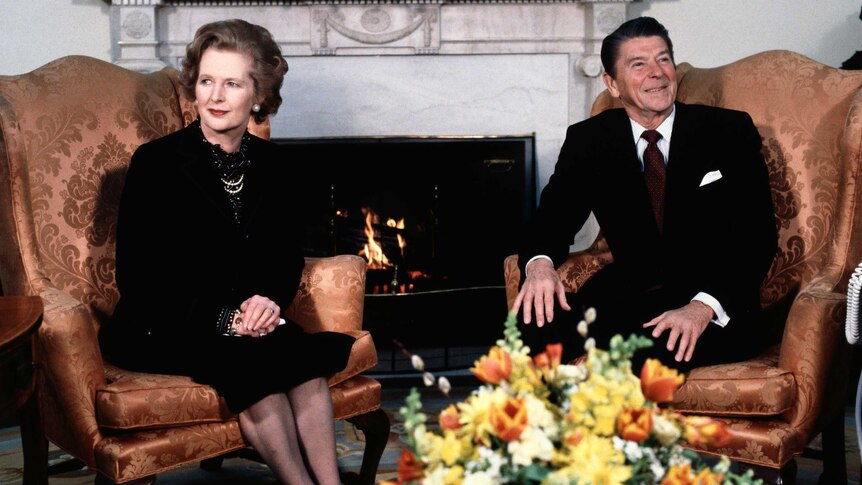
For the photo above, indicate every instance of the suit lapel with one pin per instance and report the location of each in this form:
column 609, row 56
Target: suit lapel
column 684, row 161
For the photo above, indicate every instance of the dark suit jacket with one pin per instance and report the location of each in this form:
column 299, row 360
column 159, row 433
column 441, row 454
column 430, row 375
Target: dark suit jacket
column 180, row 257
column 719, row 238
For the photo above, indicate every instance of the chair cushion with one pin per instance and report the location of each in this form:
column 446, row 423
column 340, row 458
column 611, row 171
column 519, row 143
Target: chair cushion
column 134, row 400
column 756, row 387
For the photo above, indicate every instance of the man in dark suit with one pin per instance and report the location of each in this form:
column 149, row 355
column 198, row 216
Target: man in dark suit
column 691, row 226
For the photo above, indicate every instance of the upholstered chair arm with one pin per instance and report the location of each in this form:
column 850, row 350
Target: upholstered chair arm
column 812, row 348
column 331, row 294
column 574, row 271
column 72, row 371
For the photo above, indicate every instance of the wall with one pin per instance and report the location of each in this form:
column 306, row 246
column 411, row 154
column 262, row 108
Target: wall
column 712, row 33
column 34, row 32
column 706, row 33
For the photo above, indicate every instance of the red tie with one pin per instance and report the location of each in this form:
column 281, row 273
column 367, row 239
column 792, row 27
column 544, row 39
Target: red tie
column 654, row 174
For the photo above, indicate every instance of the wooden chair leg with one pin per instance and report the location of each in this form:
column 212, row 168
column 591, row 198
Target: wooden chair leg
column 34, row 445
column 834, row 453
column 375, row 425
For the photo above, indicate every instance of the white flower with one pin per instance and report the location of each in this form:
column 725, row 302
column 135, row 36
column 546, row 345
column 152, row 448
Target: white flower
column 417, row 362
column 428, row 379
column 590, row 344
column 590, row 315
column 488, row 463
column 664, row 430
column 631, row 449
column 539, row 416
column 444, row 385
column 479, row 478
column 533, row 444
column 571, row 374
column 582, row 328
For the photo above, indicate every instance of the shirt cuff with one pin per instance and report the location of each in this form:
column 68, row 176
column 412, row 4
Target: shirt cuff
column 721, row 318
column 540, row 256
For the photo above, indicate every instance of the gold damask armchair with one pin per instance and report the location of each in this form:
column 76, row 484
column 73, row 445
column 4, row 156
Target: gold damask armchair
column 810, row 118
column 67, row 131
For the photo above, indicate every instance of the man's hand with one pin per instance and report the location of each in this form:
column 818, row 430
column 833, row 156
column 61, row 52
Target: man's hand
column 540, row 287
column 686, row 325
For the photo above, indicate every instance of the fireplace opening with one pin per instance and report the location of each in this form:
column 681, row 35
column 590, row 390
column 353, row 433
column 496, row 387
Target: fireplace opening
column 434, row 217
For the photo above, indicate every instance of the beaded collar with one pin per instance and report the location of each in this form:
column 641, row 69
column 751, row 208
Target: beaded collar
column 230, row 168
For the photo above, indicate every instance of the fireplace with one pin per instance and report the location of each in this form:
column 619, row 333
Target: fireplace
column 365, row 70
column 434, row 217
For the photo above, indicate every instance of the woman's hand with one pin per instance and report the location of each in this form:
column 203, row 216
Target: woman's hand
column 260, row 316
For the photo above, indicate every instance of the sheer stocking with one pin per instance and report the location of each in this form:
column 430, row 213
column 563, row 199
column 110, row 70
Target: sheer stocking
column 269, row 426
column 312, row 406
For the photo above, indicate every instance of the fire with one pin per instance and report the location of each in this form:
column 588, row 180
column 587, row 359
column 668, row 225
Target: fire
column 373, row 250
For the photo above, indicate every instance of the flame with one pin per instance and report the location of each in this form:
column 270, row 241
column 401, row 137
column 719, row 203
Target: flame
column 372, row 250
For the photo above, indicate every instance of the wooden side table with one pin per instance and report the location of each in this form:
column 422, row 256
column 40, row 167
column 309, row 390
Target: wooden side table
column 20, row 317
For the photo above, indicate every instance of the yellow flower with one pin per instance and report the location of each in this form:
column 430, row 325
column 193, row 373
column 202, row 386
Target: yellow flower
column 454, row 476
column 606, row 417
column 596, row 461
column 493, row 368
column 475, row 414
column 451, row 449
column 659, row 382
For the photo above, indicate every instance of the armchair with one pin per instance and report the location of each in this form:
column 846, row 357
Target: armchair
column 810, row 118
column 67, row 131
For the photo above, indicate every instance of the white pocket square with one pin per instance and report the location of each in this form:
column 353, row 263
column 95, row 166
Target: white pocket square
column 710, row 177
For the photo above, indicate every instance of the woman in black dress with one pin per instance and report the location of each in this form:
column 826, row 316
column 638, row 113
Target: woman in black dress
column 209, row 213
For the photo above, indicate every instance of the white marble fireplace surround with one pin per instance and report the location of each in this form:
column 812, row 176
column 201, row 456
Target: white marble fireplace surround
column 393, row 68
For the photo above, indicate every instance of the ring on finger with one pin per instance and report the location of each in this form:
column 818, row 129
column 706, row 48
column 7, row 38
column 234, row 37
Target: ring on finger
column 261, row 333
column 271, row 309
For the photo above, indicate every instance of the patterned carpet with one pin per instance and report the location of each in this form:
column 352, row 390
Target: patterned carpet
column 350, row 445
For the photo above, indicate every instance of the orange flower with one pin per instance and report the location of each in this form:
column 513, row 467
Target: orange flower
column 494, row 367
column 550, row 358
column 701, row 432
column 634, row 424
column 410, row 468
column 449, row 418
column 708, row 477
column 679, row 475
column 509, row 419
column 575, row 436
column 659, row 382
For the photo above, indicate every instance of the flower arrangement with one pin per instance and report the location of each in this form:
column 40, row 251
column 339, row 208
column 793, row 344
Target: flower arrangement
column 539, row 421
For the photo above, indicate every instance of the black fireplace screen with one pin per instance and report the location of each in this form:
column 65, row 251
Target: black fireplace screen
column 433, row 216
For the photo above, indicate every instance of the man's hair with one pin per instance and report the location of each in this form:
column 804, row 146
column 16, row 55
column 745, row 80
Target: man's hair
column 639, row 27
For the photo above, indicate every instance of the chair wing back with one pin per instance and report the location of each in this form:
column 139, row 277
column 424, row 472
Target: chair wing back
column 67, row 131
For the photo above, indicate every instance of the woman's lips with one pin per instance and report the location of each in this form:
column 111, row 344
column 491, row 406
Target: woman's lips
column 217, row 112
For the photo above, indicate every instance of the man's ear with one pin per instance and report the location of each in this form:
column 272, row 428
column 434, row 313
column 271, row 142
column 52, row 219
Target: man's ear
column 610, row 84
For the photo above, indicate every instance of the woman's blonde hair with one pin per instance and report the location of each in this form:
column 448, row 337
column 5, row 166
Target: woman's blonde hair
column 269, row 66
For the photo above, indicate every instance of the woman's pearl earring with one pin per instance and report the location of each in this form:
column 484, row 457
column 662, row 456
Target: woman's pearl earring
column 255, row 108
